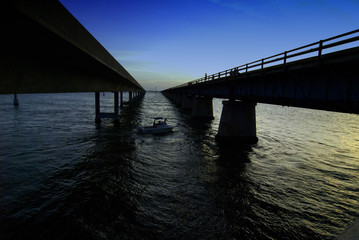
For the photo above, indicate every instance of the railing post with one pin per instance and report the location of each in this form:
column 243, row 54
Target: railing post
column 320, row 48
column 299, row 52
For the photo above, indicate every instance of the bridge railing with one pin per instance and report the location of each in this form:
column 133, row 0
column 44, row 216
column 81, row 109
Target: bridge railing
column 283, row 58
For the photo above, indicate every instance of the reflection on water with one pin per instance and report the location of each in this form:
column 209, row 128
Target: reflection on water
column 63, row 177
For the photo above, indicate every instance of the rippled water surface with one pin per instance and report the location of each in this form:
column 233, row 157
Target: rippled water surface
column 63, row 177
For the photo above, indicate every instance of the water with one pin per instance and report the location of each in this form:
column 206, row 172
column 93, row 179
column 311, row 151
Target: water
column 63, row 177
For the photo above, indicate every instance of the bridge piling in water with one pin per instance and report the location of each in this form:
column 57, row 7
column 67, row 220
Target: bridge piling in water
column 116, row 105
column 202, row 107
column 327, row 81
column 121, row 99
column 16, row 101
column 100, row 115
column 238, row 122
column 97, row 107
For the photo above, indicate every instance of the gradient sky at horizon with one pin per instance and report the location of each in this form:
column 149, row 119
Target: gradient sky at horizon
column 163, row 43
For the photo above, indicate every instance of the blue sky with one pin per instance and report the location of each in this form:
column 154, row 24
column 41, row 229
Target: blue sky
column 163, row 43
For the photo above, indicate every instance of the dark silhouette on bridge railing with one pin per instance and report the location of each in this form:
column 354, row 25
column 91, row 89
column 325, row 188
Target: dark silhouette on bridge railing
column 281, row 58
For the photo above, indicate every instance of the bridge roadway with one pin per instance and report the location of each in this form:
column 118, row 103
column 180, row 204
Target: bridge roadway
column 45, row 49
column 323, row 81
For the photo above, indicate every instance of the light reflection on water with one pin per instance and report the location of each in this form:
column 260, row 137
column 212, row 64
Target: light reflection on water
column 62, row 177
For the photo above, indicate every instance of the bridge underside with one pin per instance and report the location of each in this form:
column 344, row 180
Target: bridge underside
column 330, row 82
column 45, row 49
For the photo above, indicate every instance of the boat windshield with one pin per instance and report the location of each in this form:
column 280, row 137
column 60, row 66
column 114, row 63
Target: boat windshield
column 159, row 121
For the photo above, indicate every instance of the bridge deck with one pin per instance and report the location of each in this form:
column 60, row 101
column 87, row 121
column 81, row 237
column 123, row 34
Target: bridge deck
column 45, row 49
column 326, row 82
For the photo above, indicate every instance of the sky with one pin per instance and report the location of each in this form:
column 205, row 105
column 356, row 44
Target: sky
column 164, row 43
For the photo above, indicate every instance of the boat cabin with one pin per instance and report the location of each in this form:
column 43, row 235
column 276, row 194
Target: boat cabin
column 159, row 121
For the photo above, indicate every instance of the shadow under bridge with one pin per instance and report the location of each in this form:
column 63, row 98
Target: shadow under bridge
column 46, row 50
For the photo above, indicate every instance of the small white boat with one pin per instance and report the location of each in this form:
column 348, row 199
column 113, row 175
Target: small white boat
column 159, row 126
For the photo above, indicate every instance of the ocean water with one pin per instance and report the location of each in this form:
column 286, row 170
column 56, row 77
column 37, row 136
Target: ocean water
column 64, row 177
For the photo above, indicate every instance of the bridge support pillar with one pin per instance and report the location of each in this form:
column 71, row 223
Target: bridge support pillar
column 116, row 105
column 129, row 95
column 121, row 99
column 97, row 107
column 16, row 101
column 100, row 115
column 202, row 107
column 238, row 122
column 187, row 102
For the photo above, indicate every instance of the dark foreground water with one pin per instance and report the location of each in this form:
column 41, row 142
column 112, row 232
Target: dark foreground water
column 62, row 177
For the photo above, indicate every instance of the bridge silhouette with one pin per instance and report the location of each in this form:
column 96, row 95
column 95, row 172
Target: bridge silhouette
column 46, row 50
column 323, row 75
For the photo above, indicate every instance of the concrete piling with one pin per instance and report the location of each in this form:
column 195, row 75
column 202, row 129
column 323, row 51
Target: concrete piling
column 99, row 115
column 16, row 101
column 121, row 99
column 238, row 122
column 202, row 107
column 97, row 107
column 116, row 106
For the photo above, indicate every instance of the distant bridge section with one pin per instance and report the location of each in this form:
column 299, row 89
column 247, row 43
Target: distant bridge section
column 323, row 81
column 302, row 77
column 44, row 49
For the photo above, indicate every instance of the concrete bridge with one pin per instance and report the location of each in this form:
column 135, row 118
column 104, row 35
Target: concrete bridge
column 323, row 75
column 45, row 49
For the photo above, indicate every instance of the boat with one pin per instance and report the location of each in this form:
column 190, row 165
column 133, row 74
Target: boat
column 159, row 126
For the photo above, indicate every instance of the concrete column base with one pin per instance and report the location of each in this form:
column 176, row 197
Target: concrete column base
column 97, row 108
column 351, row 232
column 121, row 99
column 238, row 122
column 100, row 115
column 16, row 101
column 116, row 117
column 202, row 107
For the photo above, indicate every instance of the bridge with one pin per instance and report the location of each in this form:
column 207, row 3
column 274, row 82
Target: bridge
column 46, row 50
column 323, row 75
